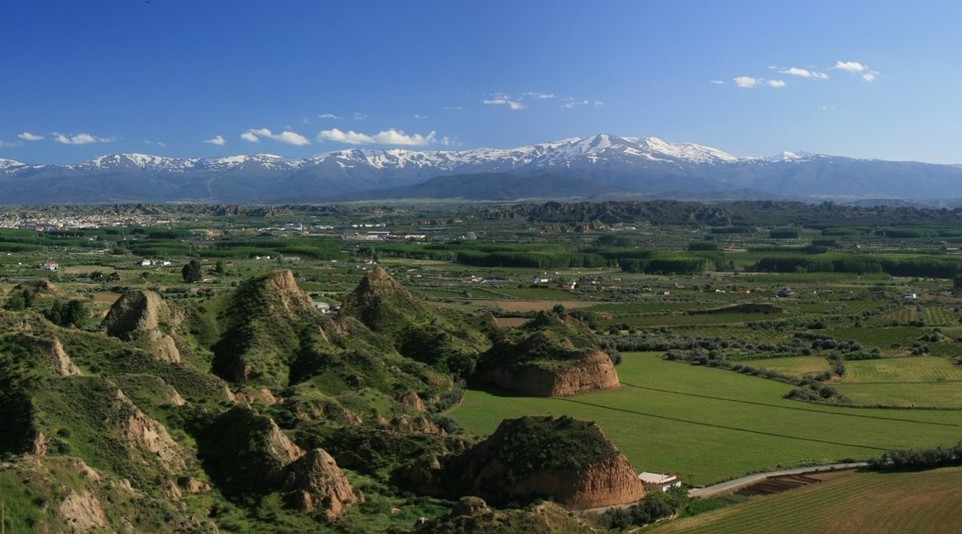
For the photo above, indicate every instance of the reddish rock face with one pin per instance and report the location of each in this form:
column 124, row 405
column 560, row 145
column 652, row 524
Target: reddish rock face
column 593, row 370
column 612, row 481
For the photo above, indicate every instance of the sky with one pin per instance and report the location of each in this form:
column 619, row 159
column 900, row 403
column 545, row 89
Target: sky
column 185, row 78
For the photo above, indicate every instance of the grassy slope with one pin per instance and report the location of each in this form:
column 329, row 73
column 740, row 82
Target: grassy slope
column 713, row 424
column 926, row 501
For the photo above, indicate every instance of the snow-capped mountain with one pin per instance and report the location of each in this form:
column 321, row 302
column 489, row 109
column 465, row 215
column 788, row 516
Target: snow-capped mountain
column 600, row 165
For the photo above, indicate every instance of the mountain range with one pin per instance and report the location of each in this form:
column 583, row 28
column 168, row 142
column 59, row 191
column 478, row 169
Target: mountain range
column 598, row 167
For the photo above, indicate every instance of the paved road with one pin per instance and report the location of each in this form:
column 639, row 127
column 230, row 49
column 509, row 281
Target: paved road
column 738, row 483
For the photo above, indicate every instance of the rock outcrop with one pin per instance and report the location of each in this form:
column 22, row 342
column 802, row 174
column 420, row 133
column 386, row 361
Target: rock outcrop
column 556, row 357
column 60, row 361
column 245, row 451
column 142, row 434
column 82, row 512
column 569, row 461
column 316, row 483
column 138, row 315
column 582, row 371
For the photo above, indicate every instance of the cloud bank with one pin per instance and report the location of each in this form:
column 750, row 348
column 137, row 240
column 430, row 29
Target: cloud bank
column 384, row 137
column 255, row 135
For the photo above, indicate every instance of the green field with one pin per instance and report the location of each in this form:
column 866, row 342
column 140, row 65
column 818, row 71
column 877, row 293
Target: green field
column 920, row 502
column 710, row 424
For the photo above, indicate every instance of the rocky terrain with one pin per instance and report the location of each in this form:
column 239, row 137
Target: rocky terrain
column 550, row 356
column 569, row 462
column 254, row 409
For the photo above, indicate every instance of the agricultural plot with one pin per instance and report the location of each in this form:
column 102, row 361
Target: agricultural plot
column 710, row 424
column 797, row 366
column 896, row 340
column 946, row 395
column 912, row 369
column 911, row 382
column 920, row 502
column 941, row 316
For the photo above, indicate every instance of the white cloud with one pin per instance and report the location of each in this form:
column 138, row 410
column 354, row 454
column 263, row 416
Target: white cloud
column 27, row 136
column 155, row 143
column 501, row 100
column 717, row 82
column 350, row 137
column 420, row 117
column 384, row 137
column 7, row 144
column 291, row 138
column 855, row 67
column 330, row 116
column 776, row 83
column 80, row 139
column 358, row 116
column 398, row 137
column 746, row 81
column 804, row 73
column 849, row 66
column 536, row 94
column 220, row 141
column 254, row 135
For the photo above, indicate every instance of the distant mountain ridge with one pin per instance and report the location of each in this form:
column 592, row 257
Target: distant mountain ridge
column 589, row 167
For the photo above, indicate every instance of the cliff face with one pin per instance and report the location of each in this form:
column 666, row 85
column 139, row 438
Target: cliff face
column 585, row 371
column 608, row 482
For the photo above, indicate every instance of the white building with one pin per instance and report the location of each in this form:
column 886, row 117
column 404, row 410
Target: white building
column 658, row 481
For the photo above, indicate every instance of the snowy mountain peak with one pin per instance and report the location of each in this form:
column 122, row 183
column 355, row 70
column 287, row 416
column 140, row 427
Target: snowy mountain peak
column 10, row 164
column 790, row 156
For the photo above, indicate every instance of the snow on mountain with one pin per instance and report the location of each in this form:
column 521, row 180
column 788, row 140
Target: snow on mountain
column 10, row 164
column 790, row 156
column 595, row 150
column 139, row 161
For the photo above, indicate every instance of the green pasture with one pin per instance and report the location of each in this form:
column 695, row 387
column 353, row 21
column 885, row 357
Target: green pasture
column 711, row 424
column 926, row 501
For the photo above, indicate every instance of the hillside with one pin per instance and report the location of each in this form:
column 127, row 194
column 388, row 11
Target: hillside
column 549, row 356
column 417, row 329
column 568, row 461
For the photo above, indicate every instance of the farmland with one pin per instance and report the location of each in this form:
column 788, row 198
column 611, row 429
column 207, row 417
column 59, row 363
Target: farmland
column 861, row 502
column 711, row 425
column 737, row 351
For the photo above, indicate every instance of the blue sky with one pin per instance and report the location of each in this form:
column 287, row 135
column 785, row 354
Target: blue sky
column 872, row 79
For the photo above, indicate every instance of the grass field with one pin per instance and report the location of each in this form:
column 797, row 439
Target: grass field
column 920, row 502
column 710, row 424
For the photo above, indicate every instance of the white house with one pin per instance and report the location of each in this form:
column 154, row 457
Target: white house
column 658, row 481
